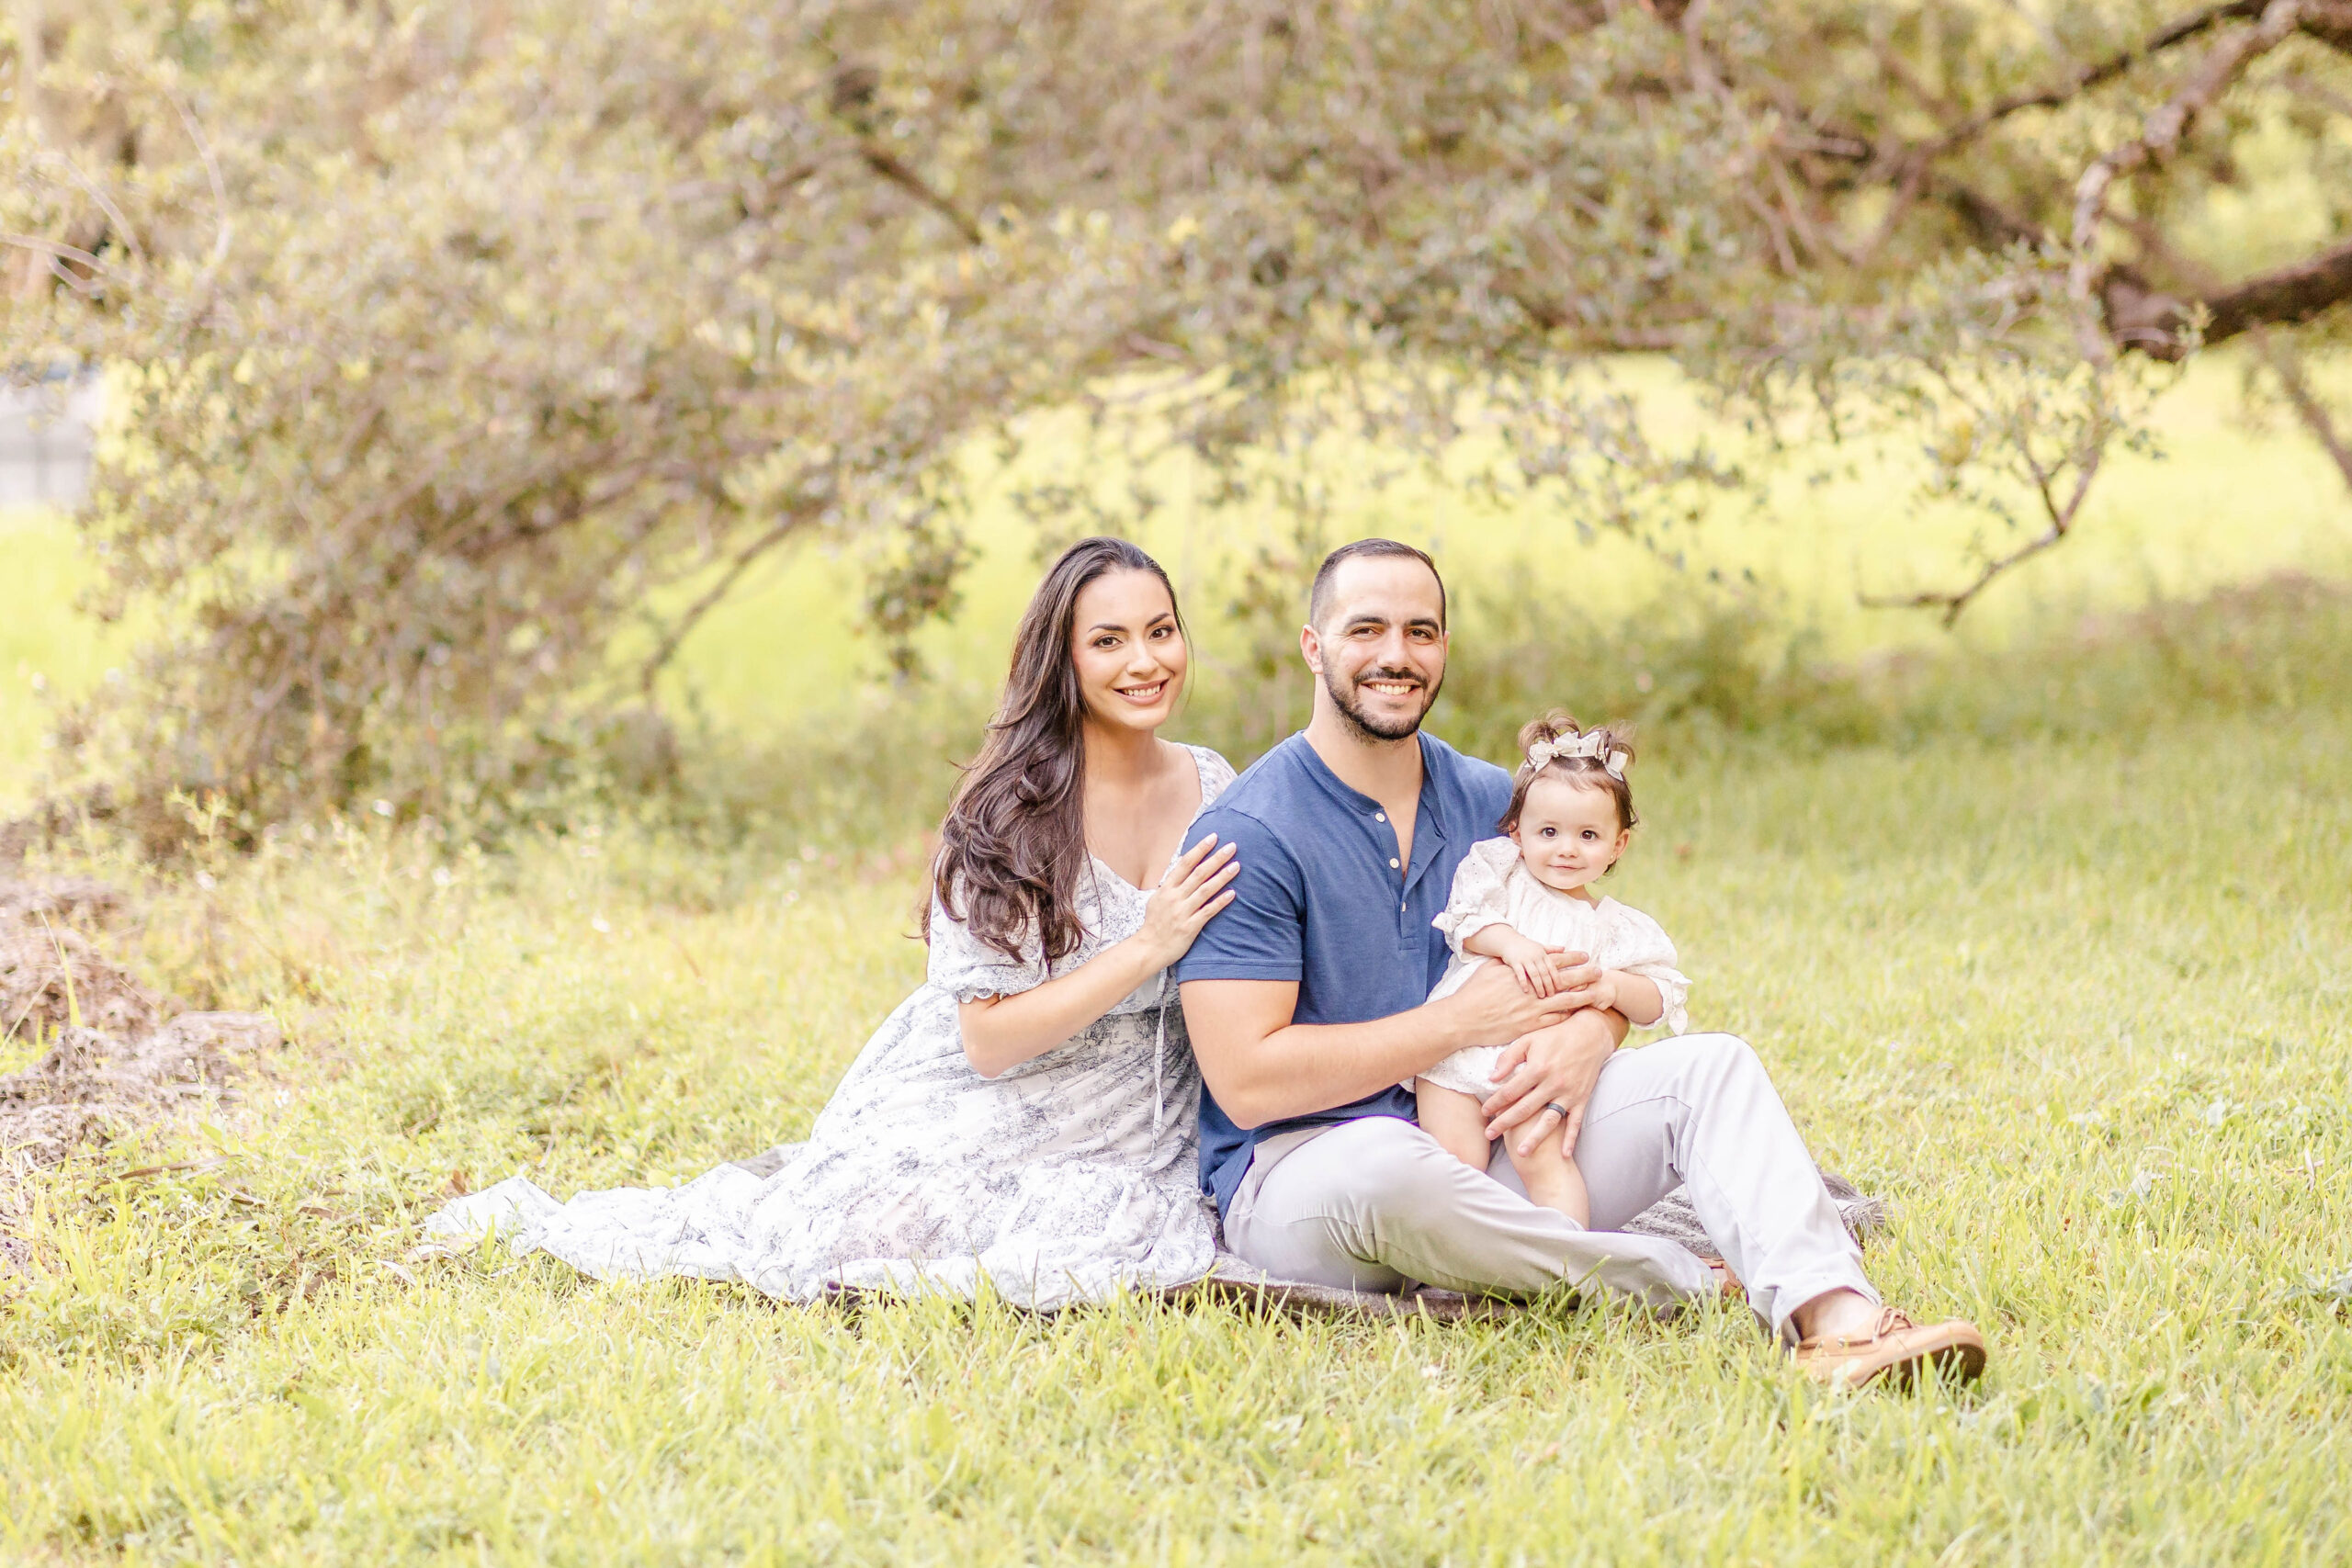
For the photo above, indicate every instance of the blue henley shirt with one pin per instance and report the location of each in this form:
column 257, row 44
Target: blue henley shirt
column 1322, row 899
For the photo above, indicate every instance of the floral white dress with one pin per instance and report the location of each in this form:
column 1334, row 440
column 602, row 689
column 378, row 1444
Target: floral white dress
column 1493, row 886
column 1070, row 1177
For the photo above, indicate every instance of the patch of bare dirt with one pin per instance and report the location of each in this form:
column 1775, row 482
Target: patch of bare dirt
column 53, row 977
column 118, row 1057
column 67, row 901
column 88, row 1086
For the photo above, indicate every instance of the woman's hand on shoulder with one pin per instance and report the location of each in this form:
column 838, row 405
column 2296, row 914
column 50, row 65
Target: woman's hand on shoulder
column 1194, row 889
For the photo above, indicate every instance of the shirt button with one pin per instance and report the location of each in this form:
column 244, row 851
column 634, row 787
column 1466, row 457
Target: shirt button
column 1392, row 865
column 1380, row 817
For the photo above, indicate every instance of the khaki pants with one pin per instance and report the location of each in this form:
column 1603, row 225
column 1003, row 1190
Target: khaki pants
column 1372, row 1203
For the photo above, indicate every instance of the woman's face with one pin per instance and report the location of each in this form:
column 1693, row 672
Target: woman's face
column 1129, row 654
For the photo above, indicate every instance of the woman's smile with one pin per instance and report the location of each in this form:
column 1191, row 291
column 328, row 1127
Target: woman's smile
column 1129, row 650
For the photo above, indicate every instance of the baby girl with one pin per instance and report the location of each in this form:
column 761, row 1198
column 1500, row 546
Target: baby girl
column 1519, row 898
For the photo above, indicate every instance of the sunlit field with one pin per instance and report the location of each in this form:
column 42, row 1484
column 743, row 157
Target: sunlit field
column 2076, row 999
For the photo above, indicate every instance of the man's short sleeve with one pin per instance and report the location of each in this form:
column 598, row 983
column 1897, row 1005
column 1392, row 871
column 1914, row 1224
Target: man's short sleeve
column 1261, row 935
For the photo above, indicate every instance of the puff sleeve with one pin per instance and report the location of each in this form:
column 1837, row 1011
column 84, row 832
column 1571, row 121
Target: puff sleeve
column 967, row 968
column 1480, row 896
column 1639, row 945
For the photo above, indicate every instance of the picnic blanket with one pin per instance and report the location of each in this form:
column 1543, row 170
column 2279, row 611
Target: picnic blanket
column 1233, row 1279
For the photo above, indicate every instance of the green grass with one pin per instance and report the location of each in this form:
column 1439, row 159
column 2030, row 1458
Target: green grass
column 49, row 650
column 2078, row 1006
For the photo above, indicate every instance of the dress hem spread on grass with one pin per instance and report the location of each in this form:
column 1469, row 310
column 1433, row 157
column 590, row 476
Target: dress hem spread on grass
column 1069, row 1177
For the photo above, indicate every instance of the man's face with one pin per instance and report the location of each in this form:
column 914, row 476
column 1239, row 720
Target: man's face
column 1381, row 647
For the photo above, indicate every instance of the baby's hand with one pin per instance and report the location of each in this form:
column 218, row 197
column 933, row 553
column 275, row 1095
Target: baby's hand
column 1531, row 961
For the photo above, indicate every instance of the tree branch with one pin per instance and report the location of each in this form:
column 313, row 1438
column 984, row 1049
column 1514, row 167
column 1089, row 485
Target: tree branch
column 2140, row 317
column 744, row 560
column 2308, row 408
column 54, row 248
column 1951, row 602
column 2283, row 298
column 1994, row 227
column 98, row 194
column 884, row 163
column 58, row 255
column 1841, row 145
column 851, row 94
column 2098, row 73
column 2329, row 22
column 223, row 226
column 2160, row 135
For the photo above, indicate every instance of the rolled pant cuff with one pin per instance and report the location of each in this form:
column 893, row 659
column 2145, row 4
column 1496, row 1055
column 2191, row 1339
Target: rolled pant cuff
column 1789, row 1295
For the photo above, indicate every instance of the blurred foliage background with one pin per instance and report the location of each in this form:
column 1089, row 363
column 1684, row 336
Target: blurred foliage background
column 514, row 399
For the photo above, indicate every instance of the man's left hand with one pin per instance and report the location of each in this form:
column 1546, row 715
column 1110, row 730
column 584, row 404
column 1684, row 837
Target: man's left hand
column 1543, row 1073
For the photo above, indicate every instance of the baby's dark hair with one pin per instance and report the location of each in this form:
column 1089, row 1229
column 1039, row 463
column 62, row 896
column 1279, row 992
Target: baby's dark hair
column 1585, row 772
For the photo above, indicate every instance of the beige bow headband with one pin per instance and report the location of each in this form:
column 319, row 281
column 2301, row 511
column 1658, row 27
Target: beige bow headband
column 1592, row 743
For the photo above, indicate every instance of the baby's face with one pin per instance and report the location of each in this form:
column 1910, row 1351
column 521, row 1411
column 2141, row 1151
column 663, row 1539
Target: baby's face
column 1568, row 835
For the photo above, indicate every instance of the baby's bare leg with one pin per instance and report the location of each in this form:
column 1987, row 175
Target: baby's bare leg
column 1455, row 1121
column 1552, row 1178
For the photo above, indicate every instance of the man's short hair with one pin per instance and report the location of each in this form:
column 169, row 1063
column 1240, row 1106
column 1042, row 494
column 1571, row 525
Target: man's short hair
column 1318, row 598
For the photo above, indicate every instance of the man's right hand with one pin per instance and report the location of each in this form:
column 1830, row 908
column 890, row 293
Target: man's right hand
column 1493, row 1009
column 1262, row 1067
column 1546, row 1080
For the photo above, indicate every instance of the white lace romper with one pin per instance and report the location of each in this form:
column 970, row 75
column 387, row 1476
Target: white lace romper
column 1071, row 1177
column 1493, row 886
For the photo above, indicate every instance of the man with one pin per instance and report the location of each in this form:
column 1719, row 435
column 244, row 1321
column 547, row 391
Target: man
column 1306, row 1000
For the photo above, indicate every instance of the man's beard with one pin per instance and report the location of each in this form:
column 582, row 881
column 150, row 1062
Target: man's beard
column 1343, row 698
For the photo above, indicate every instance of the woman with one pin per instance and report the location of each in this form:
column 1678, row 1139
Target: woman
column 1027, row 1115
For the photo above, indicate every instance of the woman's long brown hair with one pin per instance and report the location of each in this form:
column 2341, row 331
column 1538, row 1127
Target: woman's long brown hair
column 1015, row 840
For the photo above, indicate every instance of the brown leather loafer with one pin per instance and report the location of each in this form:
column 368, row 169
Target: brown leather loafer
column 1895, row 1350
